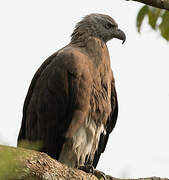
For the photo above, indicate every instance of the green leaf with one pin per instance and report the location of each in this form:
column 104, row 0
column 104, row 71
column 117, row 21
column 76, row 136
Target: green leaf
column 164, row 26
column 140, row 17
column 153, row 15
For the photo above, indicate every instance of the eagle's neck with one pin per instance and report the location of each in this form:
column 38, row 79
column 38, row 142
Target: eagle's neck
column 83, row 32
column 92, row 46
column 80, row 38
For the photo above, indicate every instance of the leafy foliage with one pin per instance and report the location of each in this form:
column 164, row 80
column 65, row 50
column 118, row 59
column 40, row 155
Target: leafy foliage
column 140, row 17
column 158, row 19
column 164, row 26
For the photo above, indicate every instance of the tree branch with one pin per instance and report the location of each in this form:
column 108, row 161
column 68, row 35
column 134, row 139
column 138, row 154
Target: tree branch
column 32, row 165
column 162, row 4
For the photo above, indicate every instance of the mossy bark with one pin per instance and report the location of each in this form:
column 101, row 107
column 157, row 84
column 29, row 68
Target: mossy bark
column 24, row 164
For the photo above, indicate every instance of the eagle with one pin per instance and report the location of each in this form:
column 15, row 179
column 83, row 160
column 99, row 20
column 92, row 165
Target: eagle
column 71, row 105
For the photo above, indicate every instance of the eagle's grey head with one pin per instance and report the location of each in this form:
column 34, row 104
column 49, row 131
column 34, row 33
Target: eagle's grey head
column 100, row 26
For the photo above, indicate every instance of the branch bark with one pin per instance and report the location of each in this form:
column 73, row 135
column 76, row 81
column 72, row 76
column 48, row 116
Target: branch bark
column 162, row 4
column 33, row 165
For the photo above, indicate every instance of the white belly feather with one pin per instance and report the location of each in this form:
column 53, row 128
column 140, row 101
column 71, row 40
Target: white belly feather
column 84, row 144
column 86, row 139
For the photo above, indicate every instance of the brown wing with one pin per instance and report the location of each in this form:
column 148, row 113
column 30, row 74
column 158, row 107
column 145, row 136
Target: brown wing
column 21, row 135
column 49, row 105
column 110, row 125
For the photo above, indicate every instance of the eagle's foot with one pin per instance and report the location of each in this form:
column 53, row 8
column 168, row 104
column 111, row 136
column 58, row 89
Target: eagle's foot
column 100, row 175
column 90, row 169
column 87, row 168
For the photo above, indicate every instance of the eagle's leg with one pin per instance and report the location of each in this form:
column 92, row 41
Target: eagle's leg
column 91, row 169
column 67, row 155
column 86, row 168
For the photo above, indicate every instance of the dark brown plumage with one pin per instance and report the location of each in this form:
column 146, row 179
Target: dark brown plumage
column 71, row 105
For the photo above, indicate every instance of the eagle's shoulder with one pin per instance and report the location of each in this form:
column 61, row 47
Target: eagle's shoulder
column 72, row 60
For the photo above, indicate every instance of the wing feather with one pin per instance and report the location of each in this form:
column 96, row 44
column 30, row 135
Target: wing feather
column 21, row 135
column 49, row 105
column 109, row 127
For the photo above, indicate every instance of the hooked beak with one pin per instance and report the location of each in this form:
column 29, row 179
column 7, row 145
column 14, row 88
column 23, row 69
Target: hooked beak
column 119, row 34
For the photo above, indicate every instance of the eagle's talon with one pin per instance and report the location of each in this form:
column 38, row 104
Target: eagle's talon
column 90, row 169
column 87, row 168
column 99, row 174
